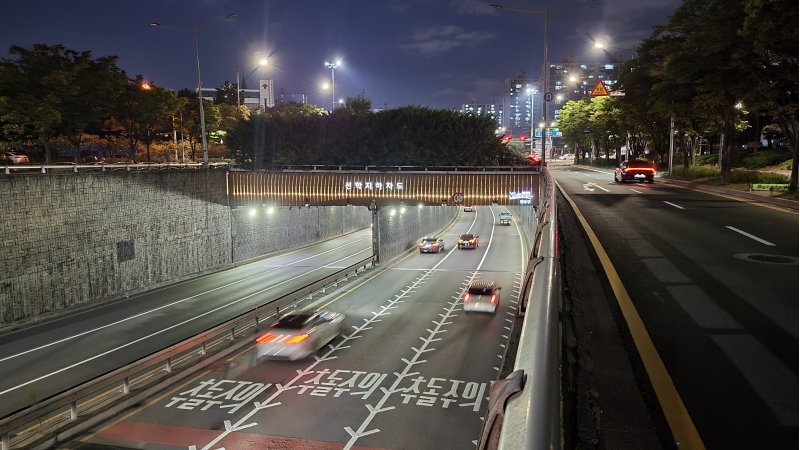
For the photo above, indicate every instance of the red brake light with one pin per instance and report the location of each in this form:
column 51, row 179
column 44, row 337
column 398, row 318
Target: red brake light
column 436, row 244
column 494, row 298
column 466, row 297
column 266, row 338
column 297, row 339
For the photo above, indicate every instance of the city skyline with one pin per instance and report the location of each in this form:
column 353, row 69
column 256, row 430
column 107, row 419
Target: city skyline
column 398, row 53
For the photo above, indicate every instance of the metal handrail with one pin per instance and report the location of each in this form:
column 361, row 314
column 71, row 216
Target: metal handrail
column 531, row 417
column 71, row 397
column 410, row 169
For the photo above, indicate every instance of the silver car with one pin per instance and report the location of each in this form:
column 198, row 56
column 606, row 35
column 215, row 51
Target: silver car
column 431, row 244
column 482, row 296
column 299, row 334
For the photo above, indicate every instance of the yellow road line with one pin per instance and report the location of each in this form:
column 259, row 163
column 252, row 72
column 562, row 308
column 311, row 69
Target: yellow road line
column 681, row 425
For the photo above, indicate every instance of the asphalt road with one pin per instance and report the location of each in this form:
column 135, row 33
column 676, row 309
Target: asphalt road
column 724, row 325
column 47, row 357
column 411, row 370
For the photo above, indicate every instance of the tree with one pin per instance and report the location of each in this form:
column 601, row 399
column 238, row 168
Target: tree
column 139, row 109
column 227, row 94
column 770, row 27
column 191, row 118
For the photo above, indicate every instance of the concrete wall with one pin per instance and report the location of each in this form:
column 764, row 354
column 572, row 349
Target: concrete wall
column 257, row 231
column 70, row 239
column 400, row 232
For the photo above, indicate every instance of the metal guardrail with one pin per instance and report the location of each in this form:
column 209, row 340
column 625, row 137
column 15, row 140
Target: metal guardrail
column 343, row 168
column 56, row 418
column 524, row 409
column 102, row 167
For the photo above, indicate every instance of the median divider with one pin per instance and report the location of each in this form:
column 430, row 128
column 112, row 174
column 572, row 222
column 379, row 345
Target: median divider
column 64, row 415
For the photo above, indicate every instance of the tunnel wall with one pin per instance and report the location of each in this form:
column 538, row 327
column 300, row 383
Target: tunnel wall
column 74, row 239
column 400, row 232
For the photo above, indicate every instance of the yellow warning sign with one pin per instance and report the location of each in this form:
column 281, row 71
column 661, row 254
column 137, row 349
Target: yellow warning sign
column 599, row 90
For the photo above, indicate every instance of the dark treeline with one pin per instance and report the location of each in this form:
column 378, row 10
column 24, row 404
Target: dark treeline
column 300, row 134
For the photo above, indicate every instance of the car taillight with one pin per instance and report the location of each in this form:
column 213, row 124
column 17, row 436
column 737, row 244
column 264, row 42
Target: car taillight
column 472, row 240
column 297, row 339
column 266, row 338
column 494, row 298
column 466, row 298
column 436, row 244
column 421, row 244
column 460, row 241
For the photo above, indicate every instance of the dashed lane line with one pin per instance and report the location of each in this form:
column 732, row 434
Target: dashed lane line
column 755, row 238
column 673, row 204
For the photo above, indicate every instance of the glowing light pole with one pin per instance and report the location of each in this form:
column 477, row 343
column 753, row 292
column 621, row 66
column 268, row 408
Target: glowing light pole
column 262, row 62
column 333, row 66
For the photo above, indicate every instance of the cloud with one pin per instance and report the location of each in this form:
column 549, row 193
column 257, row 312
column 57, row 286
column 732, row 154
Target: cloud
column 399, row 7
column 476, row 7
column 439, row 39
column 467, row 87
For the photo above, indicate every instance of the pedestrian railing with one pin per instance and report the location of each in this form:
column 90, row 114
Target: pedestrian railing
column 103, row 167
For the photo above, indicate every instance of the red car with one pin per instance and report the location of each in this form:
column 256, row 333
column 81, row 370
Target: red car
column 635, row 170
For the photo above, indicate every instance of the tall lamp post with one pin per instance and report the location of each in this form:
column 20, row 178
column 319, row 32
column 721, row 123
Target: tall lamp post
column 262, row 62
column 333, row 66
column 194, row 29
column 548, row 96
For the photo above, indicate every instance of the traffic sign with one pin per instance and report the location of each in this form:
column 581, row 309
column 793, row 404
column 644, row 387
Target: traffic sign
column 458, row 198
column 599, row 90
column 548, row 97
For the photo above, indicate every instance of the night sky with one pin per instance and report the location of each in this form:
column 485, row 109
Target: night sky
column 436, row 53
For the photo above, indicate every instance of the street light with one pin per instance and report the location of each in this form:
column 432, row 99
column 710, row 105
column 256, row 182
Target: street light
column 547, row 95
column 194, row 29
column 600, row 45
column 262, row 62
column 333, row 66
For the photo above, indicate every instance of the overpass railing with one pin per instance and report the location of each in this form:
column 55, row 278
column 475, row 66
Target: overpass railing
column 333, row 168
column 58, row 418
column 103, row 167
column 524, row 409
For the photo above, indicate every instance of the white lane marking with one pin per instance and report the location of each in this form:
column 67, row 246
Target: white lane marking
column 673, row 204
column 117, row 302
column 107, row 352
column 144, row 313
column 755, row 238
column 598, row 186
column 638, row 192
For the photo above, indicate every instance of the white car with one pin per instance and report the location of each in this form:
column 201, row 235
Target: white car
column 482, row 296
column 14, row 158
column 567, row 156
column 299, row 334
column 469, row 209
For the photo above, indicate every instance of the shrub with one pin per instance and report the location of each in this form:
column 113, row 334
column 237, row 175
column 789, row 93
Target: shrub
column 708, row 158
column 765, row 158
column 787, row 165
column 753, row 176
column 694, row 172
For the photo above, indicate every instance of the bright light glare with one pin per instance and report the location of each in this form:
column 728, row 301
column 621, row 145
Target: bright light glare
column 338, row 62
column 572, row 78
column 552, row 124
column 541, row 124
column 393, row 212
column 252, row 212
column 325, row 86
column 270, row 210
column 263, row 61
column 341, row 101
column 598, row 45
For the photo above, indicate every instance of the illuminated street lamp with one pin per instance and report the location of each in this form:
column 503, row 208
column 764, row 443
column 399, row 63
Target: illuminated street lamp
column 547, row 95
column 333, row 66
column 194, row 29
column 600, row 45
column 261, row 62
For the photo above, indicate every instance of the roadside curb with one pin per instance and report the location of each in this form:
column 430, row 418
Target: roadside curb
column 789, row 204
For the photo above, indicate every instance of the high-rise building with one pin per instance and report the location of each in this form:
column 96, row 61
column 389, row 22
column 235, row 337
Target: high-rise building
column 522, row 99
column 569, row 80
column 484, row 108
